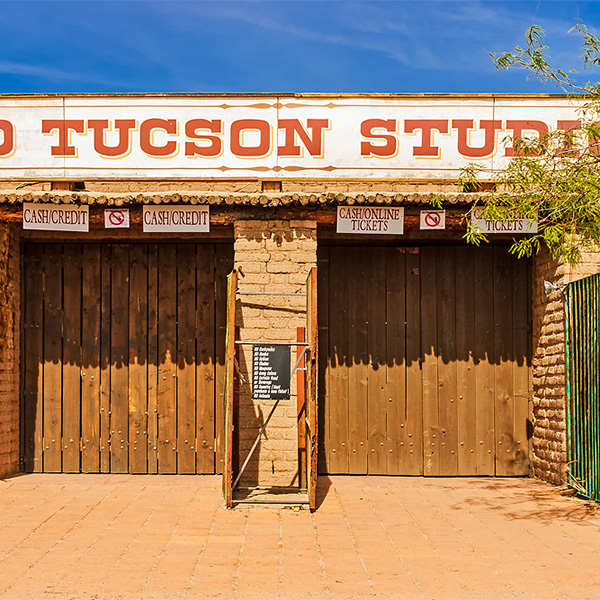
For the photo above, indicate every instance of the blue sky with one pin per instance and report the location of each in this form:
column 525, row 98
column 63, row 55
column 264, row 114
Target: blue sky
column 278, row 45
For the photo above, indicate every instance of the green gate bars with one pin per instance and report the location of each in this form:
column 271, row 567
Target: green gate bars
column 582, row 299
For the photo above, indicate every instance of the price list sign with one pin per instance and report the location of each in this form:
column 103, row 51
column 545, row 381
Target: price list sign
column 270, row 372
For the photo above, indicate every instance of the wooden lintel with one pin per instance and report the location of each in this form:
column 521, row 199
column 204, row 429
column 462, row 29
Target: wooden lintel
column 222, row 219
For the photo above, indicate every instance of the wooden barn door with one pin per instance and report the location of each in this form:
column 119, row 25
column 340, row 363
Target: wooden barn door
column 424, row 361
column 123, row 358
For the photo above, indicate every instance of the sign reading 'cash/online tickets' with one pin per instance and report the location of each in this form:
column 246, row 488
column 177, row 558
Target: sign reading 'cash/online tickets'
column 370, row 219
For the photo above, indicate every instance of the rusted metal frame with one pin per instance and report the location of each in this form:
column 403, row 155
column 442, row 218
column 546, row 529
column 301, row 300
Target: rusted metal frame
column 260, row 433
column 255, row 444
column 232, row 280
column 301, row 410
column 280, row 502
column 274, row 488
column 311, row 387
column 245, row 343
column 270, row 294
column 308, row 357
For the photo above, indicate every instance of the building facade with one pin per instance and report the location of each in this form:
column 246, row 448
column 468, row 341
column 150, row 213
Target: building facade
column 121, row 216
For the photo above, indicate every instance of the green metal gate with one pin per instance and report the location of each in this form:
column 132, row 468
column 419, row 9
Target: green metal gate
column 583, row 385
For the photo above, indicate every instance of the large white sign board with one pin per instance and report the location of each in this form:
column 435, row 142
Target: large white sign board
column 79, row 137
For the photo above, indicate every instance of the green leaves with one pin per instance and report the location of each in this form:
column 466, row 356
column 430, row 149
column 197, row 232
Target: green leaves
column 556, row 176
column 437, row 202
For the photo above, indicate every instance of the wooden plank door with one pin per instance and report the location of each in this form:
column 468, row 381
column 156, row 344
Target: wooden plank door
column 232, row 282
column 426, row 369
column 138, row 359
column 33, row 340
column 119, row 359
column 71, row 359
column 122, row 358
column 410, row 458
column 91, row 358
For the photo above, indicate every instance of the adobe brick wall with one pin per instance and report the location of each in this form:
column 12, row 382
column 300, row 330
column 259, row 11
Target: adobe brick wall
column 276, row 256
column 549, row 446
column 9, row 349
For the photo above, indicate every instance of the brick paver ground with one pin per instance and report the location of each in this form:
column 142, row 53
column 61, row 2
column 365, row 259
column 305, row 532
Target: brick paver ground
column 159, row 537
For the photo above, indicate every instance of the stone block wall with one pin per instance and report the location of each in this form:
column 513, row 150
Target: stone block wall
column 9, row 349
column 549, row 448
column 275, row 256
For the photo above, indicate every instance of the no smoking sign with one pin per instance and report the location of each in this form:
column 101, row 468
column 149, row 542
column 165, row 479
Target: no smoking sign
column 116, row 218
column 433, row 219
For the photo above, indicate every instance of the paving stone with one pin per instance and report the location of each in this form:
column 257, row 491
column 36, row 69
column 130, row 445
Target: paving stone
column 77, row 537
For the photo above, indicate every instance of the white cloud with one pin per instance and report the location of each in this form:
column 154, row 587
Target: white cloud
column 40, row 71
column 430, row 35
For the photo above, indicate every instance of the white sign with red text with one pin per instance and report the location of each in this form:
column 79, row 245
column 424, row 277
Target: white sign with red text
column 56, row 217
column 482, row 225
column 182, row 219
column 370, row 219
column 237, row 136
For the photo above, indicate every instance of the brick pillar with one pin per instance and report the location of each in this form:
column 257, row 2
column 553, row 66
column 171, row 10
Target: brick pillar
column 9, row 349
column 549, row 364
column 275, row 256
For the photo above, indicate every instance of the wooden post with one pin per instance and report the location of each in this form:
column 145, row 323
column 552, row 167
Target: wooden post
column 311, row 385
column 232, row 279
column 301, row 408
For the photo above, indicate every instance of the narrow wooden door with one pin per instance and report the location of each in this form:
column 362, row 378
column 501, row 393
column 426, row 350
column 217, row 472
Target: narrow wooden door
column 123, row 357
column 424, row 361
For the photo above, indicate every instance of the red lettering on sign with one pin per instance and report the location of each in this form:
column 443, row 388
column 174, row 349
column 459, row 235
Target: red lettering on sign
column 383, row 150
column 313, row 144
column 55, row 216
column 570, row 127
column 123, row 126
column 464, row 125
column 191, row 131
column 264, row 146
column 518, row 127
column 64, row 129
column 8, row 138
column 146, row 133
column 427, row 126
